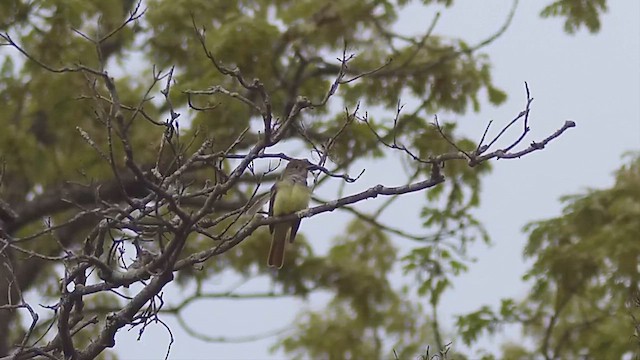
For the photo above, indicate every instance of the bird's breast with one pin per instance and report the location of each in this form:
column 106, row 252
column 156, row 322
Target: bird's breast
column 291, row 198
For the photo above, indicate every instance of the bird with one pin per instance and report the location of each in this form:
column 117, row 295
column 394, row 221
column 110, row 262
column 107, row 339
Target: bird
column 289, row 195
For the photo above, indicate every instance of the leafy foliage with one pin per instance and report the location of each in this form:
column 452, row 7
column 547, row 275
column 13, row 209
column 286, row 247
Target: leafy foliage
column 102, row 104
column 584, row 296
column 577, row 13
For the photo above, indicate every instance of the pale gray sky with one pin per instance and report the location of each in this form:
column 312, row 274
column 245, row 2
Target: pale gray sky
column 591, row 79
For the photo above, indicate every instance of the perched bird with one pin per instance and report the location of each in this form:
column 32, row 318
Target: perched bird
column 289, row 194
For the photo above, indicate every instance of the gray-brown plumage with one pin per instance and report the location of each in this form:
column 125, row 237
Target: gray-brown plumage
column 288, row 195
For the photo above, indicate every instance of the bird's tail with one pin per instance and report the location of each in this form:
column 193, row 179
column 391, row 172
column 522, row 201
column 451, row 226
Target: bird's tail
column 278, row 241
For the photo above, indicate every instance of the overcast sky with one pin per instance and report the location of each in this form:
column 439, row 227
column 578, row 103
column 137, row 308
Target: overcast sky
column 593, row 80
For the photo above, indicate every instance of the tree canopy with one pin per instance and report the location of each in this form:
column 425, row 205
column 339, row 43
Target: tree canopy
column 584, row 298
column 141, row 138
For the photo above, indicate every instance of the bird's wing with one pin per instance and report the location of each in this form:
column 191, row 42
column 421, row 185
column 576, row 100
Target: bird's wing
column 272, row 199
column 295, row 224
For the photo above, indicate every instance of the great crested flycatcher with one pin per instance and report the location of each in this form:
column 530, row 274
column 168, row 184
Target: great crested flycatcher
column 288, row 195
